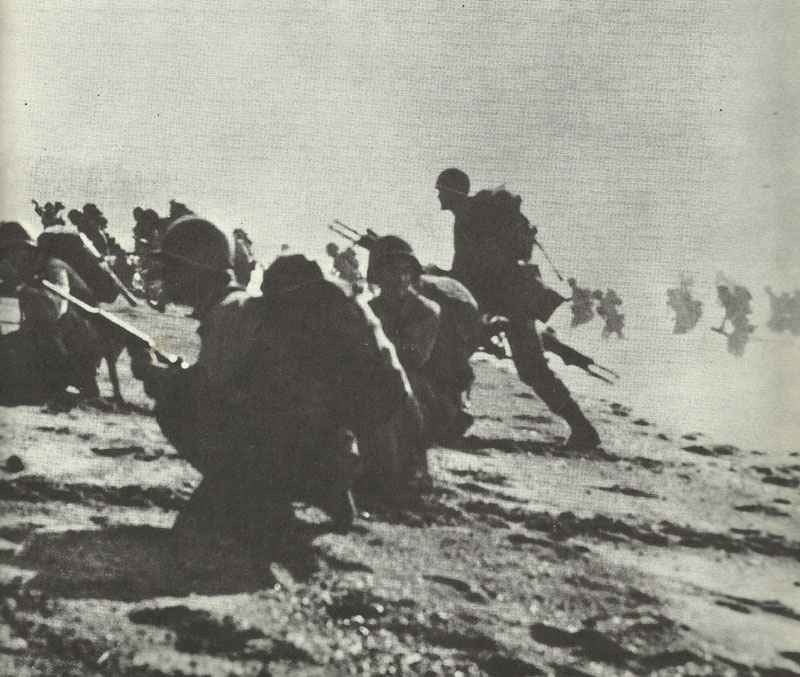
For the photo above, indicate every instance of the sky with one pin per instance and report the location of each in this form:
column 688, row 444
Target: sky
column 645, row 138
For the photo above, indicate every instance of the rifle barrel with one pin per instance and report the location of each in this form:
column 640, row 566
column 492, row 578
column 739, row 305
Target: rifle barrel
column 349, row 228
column 340, row 233
column 130, row 331
column 549, row 260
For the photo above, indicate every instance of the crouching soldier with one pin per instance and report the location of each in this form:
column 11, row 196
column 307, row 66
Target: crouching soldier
column 428, row 341
column 281, row 387
column 56, row 346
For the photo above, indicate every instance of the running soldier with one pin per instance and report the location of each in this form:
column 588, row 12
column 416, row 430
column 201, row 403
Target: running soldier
column 345, row 264
column 608, row 310
column 487, row 256
column 582, row 303
column 50, row 214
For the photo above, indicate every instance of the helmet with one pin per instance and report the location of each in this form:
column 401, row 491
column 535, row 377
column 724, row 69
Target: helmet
column 390, row 248
column 454, row 180
column 12, row 234
column 287, row 273
column 196, row 242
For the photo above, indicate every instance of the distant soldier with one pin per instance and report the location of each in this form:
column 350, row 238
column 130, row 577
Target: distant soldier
column 345, row 264
column 268, row 411
column 92, row 223
column 491, row 238
column 66, row 347
column 146, row 229
column 607, row 308
column 49, row 214
column 735, row 299
column 582, row 303
column 688, row 311
column 784, row 311
column 147, row 234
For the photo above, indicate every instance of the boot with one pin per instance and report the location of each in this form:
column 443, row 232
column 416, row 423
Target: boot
column 583, row 436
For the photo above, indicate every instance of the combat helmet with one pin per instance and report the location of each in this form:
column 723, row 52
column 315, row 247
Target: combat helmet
column 390, row 248
column 197, row 243
column 453, row 180
column 12, row 234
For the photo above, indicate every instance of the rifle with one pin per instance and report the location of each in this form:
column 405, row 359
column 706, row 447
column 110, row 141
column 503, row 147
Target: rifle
column 131, row 334
column 549, row 260
column 572, row 357
column 351, row 234
column 101, row 261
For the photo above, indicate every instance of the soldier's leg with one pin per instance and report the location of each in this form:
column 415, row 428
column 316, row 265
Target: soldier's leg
column 334, row 494
column 533, row 370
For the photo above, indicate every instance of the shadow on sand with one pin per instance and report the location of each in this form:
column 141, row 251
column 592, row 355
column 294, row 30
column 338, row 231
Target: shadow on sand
column 132, row 563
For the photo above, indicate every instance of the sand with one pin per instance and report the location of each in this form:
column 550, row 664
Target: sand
column 664, row 554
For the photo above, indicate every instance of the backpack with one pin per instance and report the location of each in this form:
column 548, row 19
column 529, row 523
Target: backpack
column 499, row 228
column 76, row 250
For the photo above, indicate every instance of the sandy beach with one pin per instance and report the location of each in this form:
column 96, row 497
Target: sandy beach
column 665, row 554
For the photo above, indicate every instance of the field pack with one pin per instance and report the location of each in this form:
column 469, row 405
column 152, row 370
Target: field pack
column 498, row 225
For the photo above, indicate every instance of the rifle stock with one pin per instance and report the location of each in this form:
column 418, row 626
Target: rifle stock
column 130, row 333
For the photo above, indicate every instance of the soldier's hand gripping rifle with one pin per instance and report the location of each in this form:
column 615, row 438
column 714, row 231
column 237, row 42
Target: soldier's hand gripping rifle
column 131, row 336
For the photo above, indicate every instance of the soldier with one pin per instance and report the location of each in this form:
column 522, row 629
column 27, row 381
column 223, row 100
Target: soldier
column 280, row 386
column 49, row 214
column 735, row 299
column 493, row 274
column 412, row 323
column 345, row 263
column 607, row 309
column 582, row 303
column 460, row 332
column 67, row 347
column 688, row 311
column 146, row 231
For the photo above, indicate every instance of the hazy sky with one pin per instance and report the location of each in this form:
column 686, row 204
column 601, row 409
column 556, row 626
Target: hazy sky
column 645, row 138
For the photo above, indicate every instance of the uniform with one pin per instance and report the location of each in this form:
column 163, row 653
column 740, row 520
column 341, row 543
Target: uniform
column 69, row 345
column 264, row 412
column 504, row 287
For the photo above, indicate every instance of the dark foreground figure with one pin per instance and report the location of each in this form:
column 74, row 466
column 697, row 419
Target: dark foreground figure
column 56, row 346
column 283, row 386
column 492, row 242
